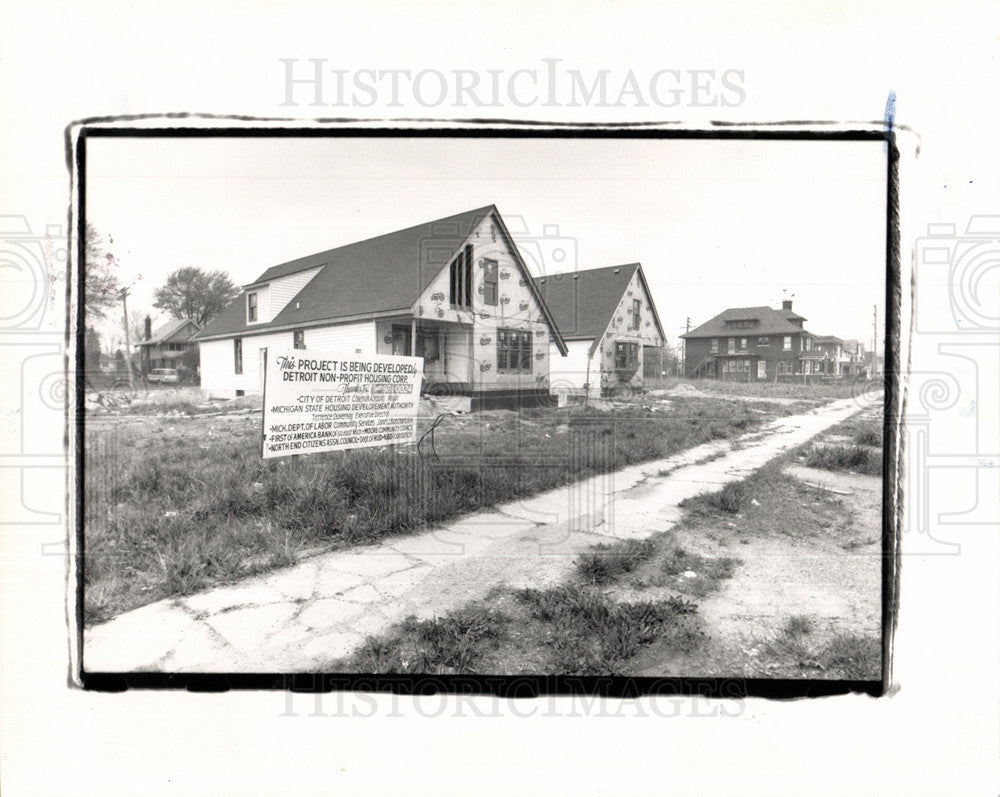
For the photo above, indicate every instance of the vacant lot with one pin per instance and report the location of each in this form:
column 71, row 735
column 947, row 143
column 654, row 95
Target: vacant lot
column 768, row 577
column 176, row 502
column 796, row 391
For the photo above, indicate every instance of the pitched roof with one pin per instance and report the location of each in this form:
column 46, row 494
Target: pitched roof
column 168, row 330
column 377, row 275
column 582, row 303
column 770, row 322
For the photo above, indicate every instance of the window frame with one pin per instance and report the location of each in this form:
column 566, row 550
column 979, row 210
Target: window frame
column 460, row 279
column 521, row 346
column 626, row 357
column 253, row 307
column 237, row 355
column 636, row 314
column 786, row 342
column 298, row 338
column 491, row 282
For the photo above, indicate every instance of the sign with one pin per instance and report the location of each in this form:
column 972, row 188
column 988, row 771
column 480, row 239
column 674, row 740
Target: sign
column 332, row 400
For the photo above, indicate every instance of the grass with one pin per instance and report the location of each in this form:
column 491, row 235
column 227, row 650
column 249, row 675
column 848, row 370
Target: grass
column 654, row 563
column 792, row 390
column 174, row 505
column 566, row 630
column 800, row 647
column 605, row 563
column 855, row 458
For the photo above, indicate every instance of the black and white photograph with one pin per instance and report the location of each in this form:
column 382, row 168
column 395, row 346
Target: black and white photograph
column 474, row 403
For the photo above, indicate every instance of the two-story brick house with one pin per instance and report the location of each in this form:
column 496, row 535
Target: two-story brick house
column 750, row 343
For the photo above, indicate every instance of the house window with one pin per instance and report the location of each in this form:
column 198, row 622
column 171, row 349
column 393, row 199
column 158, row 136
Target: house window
column 251, row 307
column 238, row 355
column 636, row 308
column 743, row 343
column 460, row 279
column 807, row 344
column 298, row 339
column 763, row 341
column 715, row 346
column 732, row 346
column 784, row 367
column 786, row 343
column 513, row 351
column 626, row 358
column 490, row 291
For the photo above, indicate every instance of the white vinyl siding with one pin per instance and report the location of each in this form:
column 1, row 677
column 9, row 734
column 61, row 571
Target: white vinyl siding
column 570, row 372
column 218, row 378
column 283, row 290
column 353, row 338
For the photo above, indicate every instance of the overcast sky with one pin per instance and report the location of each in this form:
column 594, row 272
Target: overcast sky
column 715, row 224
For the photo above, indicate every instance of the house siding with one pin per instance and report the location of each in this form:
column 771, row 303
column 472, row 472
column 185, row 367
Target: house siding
column 700, row 360
column 570, row 373
column 620, row 331
column 516, row 309
column 218, row 374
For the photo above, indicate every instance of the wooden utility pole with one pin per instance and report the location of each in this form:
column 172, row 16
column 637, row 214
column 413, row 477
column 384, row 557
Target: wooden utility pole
column 128, row 342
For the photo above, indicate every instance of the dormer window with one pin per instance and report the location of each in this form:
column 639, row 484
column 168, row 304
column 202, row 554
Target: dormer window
column 251, row 307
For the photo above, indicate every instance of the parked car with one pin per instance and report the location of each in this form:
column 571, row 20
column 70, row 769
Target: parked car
column 164, row 375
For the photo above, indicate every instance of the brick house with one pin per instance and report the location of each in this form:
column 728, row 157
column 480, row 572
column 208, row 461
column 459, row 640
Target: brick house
column 454, row 291
column 750, row 343
column 609, row 322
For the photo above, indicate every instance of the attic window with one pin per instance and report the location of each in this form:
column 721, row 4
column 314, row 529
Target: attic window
column 251, row 307
column 490, row 290
column 636, row 312
column 460, row 279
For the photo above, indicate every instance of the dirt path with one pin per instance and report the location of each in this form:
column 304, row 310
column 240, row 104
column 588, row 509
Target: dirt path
column 300, row 618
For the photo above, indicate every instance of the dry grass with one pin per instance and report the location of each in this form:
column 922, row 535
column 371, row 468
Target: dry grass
column 174, row 505
column 566, row 630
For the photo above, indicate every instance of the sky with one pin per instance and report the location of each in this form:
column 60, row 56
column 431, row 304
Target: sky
column 714, row 223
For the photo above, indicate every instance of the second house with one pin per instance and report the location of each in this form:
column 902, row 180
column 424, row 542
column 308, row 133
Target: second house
column 610, row 325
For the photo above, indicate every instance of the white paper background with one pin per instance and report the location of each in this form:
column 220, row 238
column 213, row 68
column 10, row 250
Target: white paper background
column 825, row 61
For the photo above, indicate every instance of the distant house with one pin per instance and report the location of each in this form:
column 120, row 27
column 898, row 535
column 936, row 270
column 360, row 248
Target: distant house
column 749, row 343
column 454, row 291
column 169, row 346
column 834, row 359
column 609, row 322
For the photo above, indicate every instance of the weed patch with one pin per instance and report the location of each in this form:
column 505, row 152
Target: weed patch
column 855, row 458
column 605, row 563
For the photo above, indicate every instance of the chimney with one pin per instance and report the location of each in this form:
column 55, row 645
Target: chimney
column 786, row 305
column 148, row 327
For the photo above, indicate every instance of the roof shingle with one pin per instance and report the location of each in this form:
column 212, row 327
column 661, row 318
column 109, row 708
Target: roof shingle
column 770, row 322
column 382, row 274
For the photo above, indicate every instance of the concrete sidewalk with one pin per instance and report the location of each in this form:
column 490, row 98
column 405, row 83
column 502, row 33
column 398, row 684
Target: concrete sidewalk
column 300, row 618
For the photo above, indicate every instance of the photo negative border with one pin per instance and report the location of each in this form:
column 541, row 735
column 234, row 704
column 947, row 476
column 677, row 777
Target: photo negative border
column 502, row 686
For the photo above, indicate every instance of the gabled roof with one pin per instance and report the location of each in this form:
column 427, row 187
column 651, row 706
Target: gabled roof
column 163, row 333
column 828, row 339
column 584, row 302
column 375, row 276
column 770, row 322
column 371, row 278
